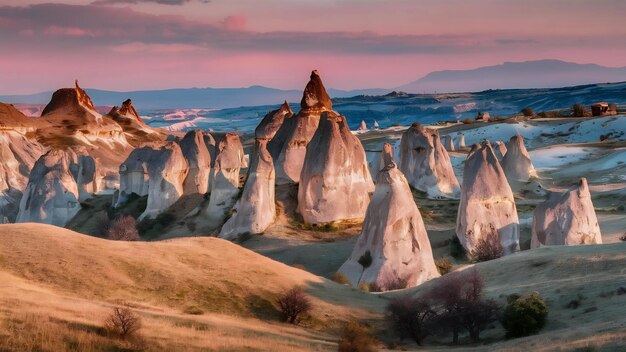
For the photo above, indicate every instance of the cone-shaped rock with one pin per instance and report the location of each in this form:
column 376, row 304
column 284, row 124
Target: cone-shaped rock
column 137, row 130
column 516, row 162
column 255, row 211
column 500, row 150
column 289, row 160
column 335, row 181
column 225, row 179
column 167, row 171
column 426, row 163
column 199, row 159
column 461, row 142
column 58, row 180
column 393, row 236
column 272, row 122
column 566, row 218
column 448, row 143
column 363, row 126
column 487, row 206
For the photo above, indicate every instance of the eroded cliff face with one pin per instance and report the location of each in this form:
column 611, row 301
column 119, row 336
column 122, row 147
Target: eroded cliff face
column 58, row 182
column 487, row 206
column 290, row 158
column 335, row 182
column 136, row 131
column 567, row 218
column 255, row 211
column 393, row 236
column 198, row 157
column 426, row 163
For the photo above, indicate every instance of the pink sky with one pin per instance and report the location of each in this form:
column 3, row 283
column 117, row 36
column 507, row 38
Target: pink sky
column 153, row 44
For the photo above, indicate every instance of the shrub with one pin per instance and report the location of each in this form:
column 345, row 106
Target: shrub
column 388, row 282
column 579, row 110
column 341, row 279
column 365, row 287
column 457, row 300
column 123, row 228
column 443, row 265
column 528, row 112
column 123, row 323
column 457, row 250
column 467, row 121
column 525, row 316
column 293, row 305
column 487, row 248
column 356, row 338
column 550, row 114
column 409, row 317
column 194, row 310
column 366, row 259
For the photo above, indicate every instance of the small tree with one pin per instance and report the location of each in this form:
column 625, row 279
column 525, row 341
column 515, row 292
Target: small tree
column 487, row 248
column 457, row 299
column 123, row 323
column 409, row 317
column 356, row 338
column 525, row 315
column 528, row 112
column 294, row 304
column 123, row 228
column 579, row 110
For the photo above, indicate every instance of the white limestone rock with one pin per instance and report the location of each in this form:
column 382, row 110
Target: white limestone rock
column 448, row 143
column 487, row 206
column 199, row 159
column 426, row 163
column 461, row 141
column 393, row 235
column 567, row 218
column 335, row 182
column 255, row 211
column 516, row 162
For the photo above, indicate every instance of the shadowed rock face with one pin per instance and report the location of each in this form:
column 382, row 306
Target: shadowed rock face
column 394, row 235
column 199, row 159
column 57, row 182
column 272, row 122
column 137, row 131
column 426, row 164
column 487, row 206
column 516, row 162
column 500, row 150
column 134, row 174
column 566, row 218
column 335, row 182
column 225, row 179
column 255, row 211
column 299, row 131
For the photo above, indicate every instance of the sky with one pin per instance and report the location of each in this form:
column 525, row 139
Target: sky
column 127, row 45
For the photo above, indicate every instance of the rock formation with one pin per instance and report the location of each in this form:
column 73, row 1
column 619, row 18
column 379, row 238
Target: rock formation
column 135, row 129
column 167, row 171
column 225, row 179
column 393, row 236
column 272, row 122
column 500, row 150
column 487, row 206
column 290, row 159
column 363, row 126
column 335, row 182
column 461, row 141
column 567, row 218
column 255, row 211
column 516, row 162
column 448, row 143
column 134, row 174
column 199, row 159
column 426, row 164
column 57, row 181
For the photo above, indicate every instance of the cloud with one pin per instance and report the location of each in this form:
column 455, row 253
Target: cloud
column 235, row 23
column 134, row 2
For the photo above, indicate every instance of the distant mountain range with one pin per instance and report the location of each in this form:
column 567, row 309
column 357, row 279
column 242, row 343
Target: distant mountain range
column 510, row 75
column 515, row 75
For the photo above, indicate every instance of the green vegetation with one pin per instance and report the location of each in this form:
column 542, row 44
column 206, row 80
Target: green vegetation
column 524, row 315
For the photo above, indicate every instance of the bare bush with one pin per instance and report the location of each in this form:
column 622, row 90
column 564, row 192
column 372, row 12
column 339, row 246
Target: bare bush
column 444, row 266
column 356, row 338
column 487, row 248
column 528, row 112
column 294, row 304
column 579, row 110
column 388, row 282
column 341, row 279
column 457, row 300
column 123, row 228
column 409, row 317
column 123, row 323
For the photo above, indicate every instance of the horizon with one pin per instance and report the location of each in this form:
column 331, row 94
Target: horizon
column 356, row 45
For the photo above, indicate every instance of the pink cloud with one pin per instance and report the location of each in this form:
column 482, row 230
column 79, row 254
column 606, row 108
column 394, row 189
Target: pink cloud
column 235, row 23
column 68, row 31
